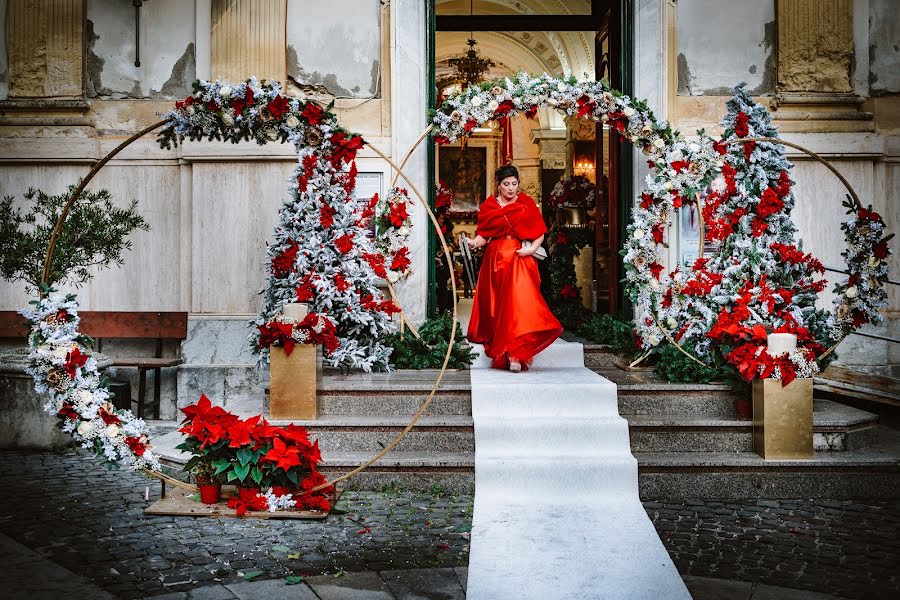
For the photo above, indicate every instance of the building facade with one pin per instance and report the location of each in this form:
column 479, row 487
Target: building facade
column 79, row 76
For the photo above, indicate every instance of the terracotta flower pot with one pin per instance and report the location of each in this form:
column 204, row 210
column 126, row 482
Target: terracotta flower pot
column 247, row 494
column 210, row 493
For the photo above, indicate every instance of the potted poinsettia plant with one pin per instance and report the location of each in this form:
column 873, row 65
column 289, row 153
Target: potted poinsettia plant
column 206, row 427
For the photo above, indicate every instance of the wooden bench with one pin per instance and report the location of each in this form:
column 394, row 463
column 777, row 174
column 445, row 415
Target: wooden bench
column 102, row 325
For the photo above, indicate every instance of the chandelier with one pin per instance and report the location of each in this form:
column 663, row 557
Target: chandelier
column 470, row 66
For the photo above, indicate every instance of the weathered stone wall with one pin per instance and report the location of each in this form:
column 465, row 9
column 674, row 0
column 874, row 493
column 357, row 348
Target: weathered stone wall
column 723, row 43
column 884, row 47
column 167, row 49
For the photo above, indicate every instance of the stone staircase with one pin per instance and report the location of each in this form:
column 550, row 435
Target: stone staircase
column 689, row 440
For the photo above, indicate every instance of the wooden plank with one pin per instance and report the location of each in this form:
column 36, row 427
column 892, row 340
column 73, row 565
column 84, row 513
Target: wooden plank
column 134, row 325
column 110, row 324
column 182, row 503
column 150, row 363
column 13, row 325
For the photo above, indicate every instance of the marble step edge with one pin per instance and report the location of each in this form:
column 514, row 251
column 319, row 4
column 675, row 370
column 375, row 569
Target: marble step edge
column 648, row 462
column 822, row 421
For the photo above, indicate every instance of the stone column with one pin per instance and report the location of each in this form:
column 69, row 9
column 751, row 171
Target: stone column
column 409, row 116
column 815, row 60
column 248, row 38
column 45, row 45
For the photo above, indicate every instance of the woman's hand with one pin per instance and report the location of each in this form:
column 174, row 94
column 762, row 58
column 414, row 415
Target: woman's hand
column 476, row 242
column 523, row 251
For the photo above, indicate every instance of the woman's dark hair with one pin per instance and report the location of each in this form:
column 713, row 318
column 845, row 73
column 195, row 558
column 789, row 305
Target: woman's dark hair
column 506, row 171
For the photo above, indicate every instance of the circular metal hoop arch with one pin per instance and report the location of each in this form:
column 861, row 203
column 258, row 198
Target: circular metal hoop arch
column 812, row 154
column 48, row 259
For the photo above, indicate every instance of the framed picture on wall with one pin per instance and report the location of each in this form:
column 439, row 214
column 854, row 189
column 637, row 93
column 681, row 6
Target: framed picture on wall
column 465, row 172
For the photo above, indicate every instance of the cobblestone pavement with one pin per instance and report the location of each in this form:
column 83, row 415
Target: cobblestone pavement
column 848, row 549
column 89, row 520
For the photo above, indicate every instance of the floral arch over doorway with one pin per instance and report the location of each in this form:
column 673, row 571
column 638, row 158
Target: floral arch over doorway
column 757, row 281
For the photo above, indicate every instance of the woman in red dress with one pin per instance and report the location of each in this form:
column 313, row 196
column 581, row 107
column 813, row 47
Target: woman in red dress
column 509, row 315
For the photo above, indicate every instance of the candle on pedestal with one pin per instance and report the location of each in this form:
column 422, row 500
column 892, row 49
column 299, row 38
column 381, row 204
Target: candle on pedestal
column 781, row 343
column 295, row 311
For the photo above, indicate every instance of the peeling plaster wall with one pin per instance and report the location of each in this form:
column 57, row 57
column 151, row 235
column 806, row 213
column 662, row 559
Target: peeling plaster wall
column 884, row 47
column 335, row 45
column 4, row 58
column 167, row 49
column 724, row 42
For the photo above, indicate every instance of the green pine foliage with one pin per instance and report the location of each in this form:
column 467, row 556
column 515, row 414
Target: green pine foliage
column 675, row 367
column 95, row 234
column 428, row 351
column 611, row 330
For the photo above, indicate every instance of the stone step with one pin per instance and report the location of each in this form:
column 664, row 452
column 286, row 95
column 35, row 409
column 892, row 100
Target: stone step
column 854, row 474
column 835, row 428
column 871, row 473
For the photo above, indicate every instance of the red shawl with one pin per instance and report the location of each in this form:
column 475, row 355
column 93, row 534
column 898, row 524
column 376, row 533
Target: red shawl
column 521, row 219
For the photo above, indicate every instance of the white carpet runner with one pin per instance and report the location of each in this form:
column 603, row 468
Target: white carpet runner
column 557, row 513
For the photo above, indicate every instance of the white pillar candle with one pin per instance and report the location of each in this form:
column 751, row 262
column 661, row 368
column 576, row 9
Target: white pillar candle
column 781, row 343
column 295, row 312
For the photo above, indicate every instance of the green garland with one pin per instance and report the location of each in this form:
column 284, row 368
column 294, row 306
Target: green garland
column 563, row 292
column 428, row 351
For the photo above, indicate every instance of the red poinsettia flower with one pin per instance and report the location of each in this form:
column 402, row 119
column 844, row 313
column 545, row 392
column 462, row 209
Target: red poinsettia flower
column 680, row 165
column 68, row 411
column 213, row 106
column 108, row 417
column 562, row 239
column 585, row 106
column 655, row 269
column 657, row 233
column 283, row 263
column 769, row 204
column 749, row 147
column 239, row 431
column 720, row 147
column 184, row 103
column 344, row 148
column 400, row 261
column 470, row 125
column 313, row 113
column 677, row 201
column 741, row 128
column 341, row 283
column 344, row 243
column 62, row 315
column 74, row 361
column 376, row 261
column 871, row 215
column 440, row 140
column 278, row 106
column 136, row 445
column 284, row 456
column 646, row 201
column 758, row 227
column 239, row 104
column 398, row 214
column 568, row 291
column 881, row 250
column 783, row 187
column 531, row 112
column 326, row 216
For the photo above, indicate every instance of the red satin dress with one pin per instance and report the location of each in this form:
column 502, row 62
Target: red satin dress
column 509, row 315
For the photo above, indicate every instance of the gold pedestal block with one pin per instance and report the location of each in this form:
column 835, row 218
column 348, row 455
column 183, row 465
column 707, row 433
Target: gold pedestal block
column 293, row 381
column 783, row 418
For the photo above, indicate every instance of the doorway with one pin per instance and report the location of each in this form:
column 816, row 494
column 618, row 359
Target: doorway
column 587, row 39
